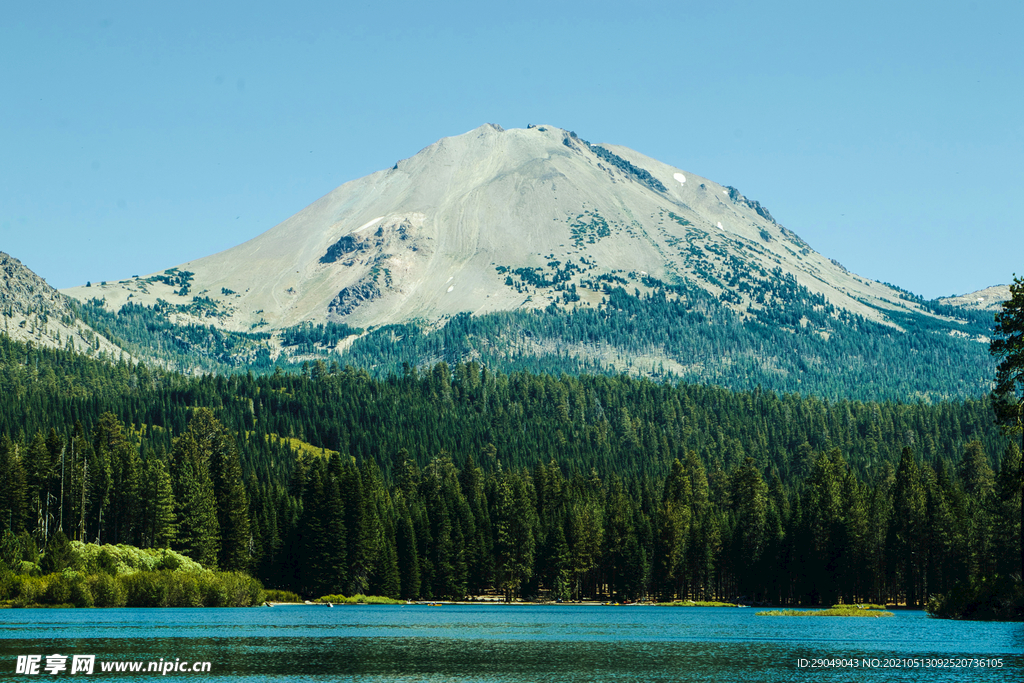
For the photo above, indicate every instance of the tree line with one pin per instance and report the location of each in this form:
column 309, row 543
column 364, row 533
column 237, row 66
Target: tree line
column 460, row 480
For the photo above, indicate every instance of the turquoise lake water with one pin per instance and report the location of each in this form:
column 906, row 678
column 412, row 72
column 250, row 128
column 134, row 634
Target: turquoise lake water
column 493, row 643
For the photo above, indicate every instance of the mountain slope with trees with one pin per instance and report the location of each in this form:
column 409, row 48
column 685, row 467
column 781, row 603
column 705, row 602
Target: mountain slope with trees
column 459, row 480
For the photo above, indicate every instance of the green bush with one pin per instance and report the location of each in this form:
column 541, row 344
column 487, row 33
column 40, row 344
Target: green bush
column 240, row 589
column 81, row 595
column 125, row 559
column 27, row 568
column 33, row 588
column 360, row 599
column 144, row 589
column 184, row 591
column 106, row 591
column 278, row 595
column 213, row 590
column 58, row 590
column 996, row 598
column 10, row 584
column 168, row 559
column 118, row 576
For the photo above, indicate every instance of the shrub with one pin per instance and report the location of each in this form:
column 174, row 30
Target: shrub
column 32, row 589
column 126, row 559
column 106, row 591
column 240, row 590
column 183, row 590
column 213, row 590
column 168, row 559
column 278, row 595
column 81, row 595
column 359, row 598
column 996, row 598
column 27, row 568
column 58, row 590
column 144, row 589
column 118, row 576
column 10, row 584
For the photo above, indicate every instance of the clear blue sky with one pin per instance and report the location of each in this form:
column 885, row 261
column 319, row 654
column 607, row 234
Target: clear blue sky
column 136, row 136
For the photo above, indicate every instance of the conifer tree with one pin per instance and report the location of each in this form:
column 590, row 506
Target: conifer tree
column 229, row 491
column 39, row 468
column 515, row 540
column 405, row 550
column 121, row 456
column 13, row 486
column 198, row 526
column 160, row 526
column 907, row 531
column 1007, row 502
column 750, row 496
column 1008, row 345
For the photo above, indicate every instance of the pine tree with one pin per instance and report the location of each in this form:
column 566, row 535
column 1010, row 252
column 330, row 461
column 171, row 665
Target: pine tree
column 198, row 526
column 826, row 510
column 515, row 539
column 908, row 529
column 405, row 549
column 158, row 506
column 750, row 496
column 1007, row 502
column 13, row 486
column 39, row 468
column 122, row 459
column 232, row 500
column 1008, row 345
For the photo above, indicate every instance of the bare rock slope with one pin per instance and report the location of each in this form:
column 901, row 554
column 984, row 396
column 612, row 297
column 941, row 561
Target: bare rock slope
column 988, row 299
column 34, row 311
column 489, row 221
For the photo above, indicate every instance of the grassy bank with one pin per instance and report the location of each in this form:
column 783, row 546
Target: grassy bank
column 844, row 611
column 359, row 599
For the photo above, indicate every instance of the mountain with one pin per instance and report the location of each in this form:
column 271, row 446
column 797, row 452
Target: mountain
column 34, row 311
column 535, row 248
column 458, row 226
column 988, row 299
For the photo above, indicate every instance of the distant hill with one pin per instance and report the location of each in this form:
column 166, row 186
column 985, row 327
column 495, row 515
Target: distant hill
column 988, row 299
column 34, row 311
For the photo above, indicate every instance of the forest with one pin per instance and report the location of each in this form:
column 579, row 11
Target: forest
column 790, row 341
column 461, row 480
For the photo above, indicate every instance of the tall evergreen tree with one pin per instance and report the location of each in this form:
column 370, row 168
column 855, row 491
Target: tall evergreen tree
column 1008, row 345
column 13, row 487
column 159, row 523
column 198, row 525
column 121, row 456
column 908, row 530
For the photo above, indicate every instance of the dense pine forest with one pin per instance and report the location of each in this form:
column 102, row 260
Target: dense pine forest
column 460, row 480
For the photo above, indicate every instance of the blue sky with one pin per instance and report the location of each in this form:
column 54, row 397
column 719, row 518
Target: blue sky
column 889, row 135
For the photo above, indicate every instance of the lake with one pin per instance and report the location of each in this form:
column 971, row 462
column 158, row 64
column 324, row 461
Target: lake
column 508, row 643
